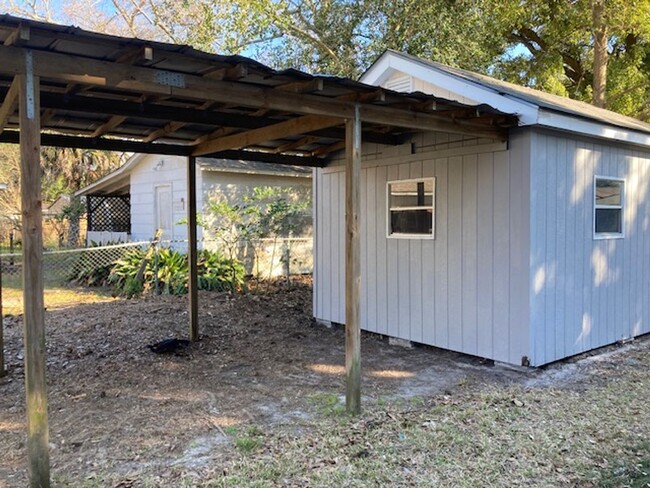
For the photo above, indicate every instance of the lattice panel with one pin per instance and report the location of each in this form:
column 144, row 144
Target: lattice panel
column 109, row 213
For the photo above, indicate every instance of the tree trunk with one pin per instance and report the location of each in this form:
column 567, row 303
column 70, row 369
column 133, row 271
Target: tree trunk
column 73, row 231
column 600, row 52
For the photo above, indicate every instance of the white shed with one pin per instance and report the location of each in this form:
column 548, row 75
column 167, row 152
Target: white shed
column 525, row 251
column 156, row 188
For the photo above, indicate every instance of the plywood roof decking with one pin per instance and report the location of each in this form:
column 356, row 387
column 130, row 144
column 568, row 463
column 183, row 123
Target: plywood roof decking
column 107, row 92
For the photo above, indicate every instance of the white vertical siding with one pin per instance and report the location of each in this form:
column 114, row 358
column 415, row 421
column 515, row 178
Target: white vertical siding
column 585, row 293
column 144, row 177
column 455, row 291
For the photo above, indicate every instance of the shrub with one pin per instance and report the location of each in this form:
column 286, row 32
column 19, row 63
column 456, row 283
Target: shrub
column 170, row 267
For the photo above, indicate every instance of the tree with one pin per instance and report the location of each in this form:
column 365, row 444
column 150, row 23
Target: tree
column 592, row 50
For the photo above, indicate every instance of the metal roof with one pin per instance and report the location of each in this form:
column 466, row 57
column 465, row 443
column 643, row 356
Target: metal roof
column 542, row 99
column 118, row 182
column 107, row 92
column 252, row 167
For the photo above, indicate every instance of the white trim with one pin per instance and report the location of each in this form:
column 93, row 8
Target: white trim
column 609, row 235
column 528, row 112
column 132, row 161
column 389, row 209
column 390, row 62
column 591, row 128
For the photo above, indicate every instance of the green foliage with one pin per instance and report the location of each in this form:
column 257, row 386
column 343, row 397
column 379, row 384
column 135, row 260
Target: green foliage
column 169, row 269
column 551, row 48
column 267, row 212
column 218, row 273
column 252, row 440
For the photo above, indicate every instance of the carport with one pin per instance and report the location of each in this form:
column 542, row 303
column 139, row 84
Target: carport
column 66, row 87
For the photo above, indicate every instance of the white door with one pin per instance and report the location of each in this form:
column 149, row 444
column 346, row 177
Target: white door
column 163, row 202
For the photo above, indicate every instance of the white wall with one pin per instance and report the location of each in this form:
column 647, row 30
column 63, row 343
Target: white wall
column 586, row 293
column 466, row 290
column 144, row 177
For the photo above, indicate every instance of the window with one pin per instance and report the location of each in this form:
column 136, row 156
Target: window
column 609, row 198
column 410, row 208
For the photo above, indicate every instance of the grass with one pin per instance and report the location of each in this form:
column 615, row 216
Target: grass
column 56, row 295
column 589, row 434
column 495, row 437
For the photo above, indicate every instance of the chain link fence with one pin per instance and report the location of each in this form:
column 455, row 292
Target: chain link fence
column 75, row 276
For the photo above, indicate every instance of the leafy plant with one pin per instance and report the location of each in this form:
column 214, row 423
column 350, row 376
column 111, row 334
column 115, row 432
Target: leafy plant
column 169, row 271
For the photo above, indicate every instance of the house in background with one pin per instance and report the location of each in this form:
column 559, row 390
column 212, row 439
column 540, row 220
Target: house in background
column 524, row 251
column 149, row 192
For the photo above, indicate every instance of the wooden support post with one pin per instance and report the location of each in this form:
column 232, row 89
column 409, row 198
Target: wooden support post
column 353, row 263
column 3, row 370
column 34, row 309
column 193, row 284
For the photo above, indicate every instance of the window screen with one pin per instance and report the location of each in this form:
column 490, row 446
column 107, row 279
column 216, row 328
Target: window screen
column 410, row 207
column 608, row 207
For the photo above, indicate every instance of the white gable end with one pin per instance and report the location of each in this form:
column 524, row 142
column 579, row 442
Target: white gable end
column 390, row 68
column 396, row 72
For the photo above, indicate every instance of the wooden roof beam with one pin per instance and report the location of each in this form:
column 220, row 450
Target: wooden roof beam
column 9, row 105
column 149, row 110
column 321, row 151
column 47, row 115
column 236, row 72
column 19, row 36
column 290, row 146
column 154, row 81
column 378, row 95
column 119, row 145
column 169, row 128
column 308, row 86
column 173, row 126
column 112, row 123
column 136, row 56
column 289, row 127
column 265, row 157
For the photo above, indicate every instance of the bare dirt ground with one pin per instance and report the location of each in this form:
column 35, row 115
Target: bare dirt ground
column 120, row 413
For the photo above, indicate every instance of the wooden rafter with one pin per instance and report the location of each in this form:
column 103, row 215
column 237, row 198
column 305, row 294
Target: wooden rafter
column 136, row 56
column 153, row 81
column 309, row 86
column 9, row 105
column 289, row 127
column 173, row 126
column 169, row 128
column 290, row 146
column 87, row 142
column 323, row 150
column 19, row 36
column 236, row 72
column 111, row 124
column 266, row 157
column 47, row 115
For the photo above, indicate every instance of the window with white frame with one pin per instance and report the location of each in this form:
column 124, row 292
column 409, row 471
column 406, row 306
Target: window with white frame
column 410, row 207
column 609, row 199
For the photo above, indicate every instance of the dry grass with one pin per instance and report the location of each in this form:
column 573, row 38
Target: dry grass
column 257, row 403
column 55, row 294
column 588, row 434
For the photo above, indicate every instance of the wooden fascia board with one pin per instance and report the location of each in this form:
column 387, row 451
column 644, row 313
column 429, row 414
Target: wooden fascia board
column 280, row 130
column 9, row 105
column 74, row 69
